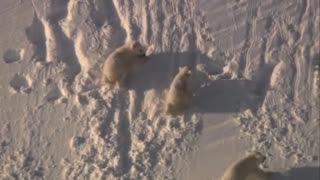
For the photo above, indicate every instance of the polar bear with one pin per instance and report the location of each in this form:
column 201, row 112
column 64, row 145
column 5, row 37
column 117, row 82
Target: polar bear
column 121, row 62
column 179, row 95
column 247, row 168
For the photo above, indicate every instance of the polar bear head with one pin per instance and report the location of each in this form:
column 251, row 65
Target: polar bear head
column 138, row 49
column 185, row 71
column 261, row 158
column 258, row 157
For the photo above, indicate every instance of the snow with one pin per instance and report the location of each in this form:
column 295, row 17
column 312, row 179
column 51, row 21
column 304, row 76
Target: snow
column 255, row 77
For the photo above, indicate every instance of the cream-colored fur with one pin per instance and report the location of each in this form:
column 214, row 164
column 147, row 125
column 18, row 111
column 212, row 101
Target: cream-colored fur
column 120, row 64
column 247, row 168
column 179, row 95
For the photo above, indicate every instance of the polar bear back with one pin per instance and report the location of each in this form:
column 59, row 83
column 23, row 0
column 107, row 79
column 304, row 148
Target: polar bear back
column 179, row 95
column 244, row 168
column 179, row 88
column 121, row 61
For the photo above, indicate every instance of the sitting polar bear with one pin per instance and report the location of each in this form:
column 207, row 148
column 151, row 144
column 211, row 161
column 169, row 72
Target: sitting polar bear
column 179, row 95
column 120, row 63
column 247, row 168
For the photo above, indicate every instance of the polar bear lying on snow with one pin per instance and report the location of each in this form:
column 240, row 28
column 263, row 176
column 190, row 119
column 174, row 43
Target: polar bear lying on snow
column 120, row 63
column 248, row 168
column 179, row 95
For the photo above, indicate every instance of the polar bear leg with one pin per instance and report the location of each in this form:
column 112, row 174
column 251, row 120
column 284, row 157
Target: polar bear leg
column 104, row 80
column 174, row 109
column 124, row 80
column 171, row 109
column 168, row 108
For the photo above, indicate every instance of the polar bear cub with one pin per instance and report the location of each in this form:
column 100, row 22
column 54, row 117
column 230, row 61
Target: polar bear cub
column 121, row 62
column 247, row 168
column 179, row 95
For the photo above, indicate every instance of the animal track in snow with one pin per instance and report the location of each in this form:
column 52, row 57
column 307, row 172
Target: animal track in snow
column 13, row 55
column 20, row 84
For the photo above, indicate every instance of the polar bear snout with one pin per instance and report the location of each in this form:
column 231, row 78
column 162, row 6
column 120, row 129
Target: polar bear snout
column 260, row 157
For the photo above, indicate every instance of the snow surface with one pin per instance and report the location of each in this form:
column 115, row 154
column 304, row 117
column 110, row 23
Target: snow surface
column 255, row 78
